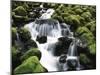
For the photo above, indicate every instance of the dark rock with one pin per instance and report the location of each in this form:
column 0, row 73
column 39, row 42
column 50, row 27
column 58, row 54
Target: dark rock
column 42, row 39
column 62, row 45
column 62, row 58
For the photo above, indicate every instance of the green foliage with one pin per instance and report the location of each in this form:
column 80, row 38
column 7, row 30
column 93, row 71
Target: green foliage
column 31, row 52
column 30, row 65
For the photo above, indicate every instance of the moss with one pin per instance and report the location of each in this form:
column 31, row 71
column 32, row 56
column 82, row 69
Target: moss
column 30, row 65
column 20, row 10
column 92, row 48
column 14, row 31
column 31, row 52
column 24, row 34
column 92, row 27
column 84, row 59
column 78, row 11
column 87, row 16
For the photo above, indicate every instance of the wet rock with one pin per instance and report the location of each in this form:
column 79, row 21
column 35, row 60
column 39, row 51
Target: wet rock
column 62, row 58
column 42, row 39
column 30, row 65
column 62, row 46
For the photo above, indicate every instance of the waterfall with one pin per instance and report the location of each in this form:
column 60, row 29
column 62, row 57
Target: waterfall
column 72, row 56
column 52, row 30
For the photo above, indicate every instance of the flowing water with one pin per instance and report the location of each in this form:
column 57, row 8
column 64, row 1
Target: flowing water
column 44, row 26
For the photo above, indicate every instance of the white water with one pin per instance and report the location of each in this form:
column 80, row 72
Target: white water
column 52, row 32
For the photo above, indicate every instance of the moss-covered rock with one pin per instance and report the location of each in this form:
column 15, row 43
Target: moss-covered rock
column 30, row 65
column 30, row 44
column 31, row 52
column 92, row 49
column 92, row 27
column 20, row 10
column 85, row 33
column 73, row 20
column 87, row 16
column 24, row 34
column 15, row 54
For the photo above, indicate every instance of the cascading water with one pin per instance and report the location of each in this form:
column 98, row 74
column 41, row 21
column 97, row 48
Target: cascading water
column 44, row 26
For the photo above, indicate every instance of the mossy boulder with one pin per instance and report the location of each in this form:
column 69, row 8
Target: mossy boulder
column 24, row 34
column 20, row 10
column 74, row 20
column 15, row 54
column 31, row 52
column 84, row 32
column 30, row 65
column 30, row 44
column 87, row 16
column 92, row 49
column 92, row 27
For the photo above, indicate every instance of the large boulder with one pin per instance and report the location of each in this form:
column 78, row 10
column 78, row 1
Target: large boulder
column 31, row 52
column 61, row 47
column 30, row 65
column 20, row 10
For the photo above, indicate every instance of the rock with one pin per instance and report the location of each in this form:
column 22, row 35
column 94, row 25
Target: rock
column 73, row 20
column 72, row 63
column 30, row 65
column 63, row 58
column 14, row 37
column 15, row 54
column 31, row 52
column 85, row 61
column 92, row 49
column 61, row 47
column 30, row 44
column 20, row 10
column 87, row 16
column 42, row 39
column 92, row 27
column 24, row 34
column 84, row 32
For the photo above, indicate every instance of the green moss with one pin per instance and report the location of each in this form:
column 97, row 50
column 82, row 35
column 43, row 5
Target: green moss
column 20, row 10
column 24, row 34
column 30, row 65
column 92, row 27
column 92, row 48
column 31, row 52
column 78, row 11
column 14, row 31
column 84, row 59
column 87, row 16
